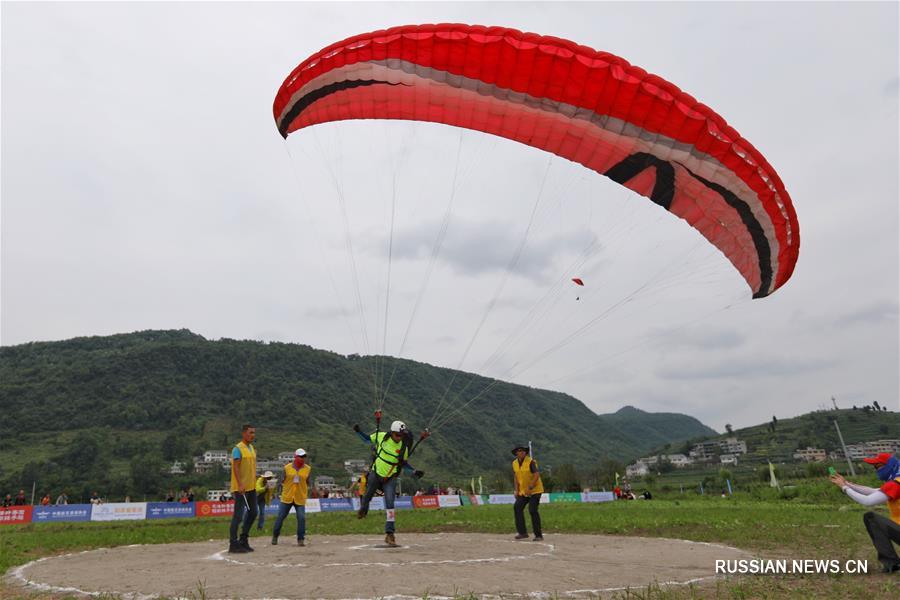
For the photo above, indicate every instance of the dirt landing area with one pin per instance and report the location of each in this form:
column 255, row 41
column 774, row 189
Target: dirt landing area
column 353, row 566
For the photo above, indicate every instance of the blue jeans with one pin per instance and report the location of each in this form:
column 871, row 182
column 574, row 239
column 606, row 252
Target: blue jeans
column 389, row 487
column 283, row 510
column 261, row 504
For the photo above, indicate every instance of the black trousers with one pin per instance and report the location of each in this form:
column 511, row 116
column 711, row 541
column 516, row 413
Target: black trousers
column 532, row 502
column 240, row 506
column 884, row 533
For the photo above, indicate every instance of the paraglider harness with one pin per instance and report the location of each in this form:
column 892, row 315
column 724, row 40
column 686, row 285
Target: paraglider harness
column 406, row 449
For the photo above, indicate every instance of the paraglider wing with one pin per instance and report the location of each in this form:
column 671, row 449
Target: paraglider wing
column 590, row 107
column 578, row 281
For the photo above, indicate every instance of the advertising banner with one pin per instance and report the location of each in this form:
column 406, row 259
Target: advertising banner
column 403, row 502
column 446, row 501
column 208, row 508
column 597, row 496
column 119, row 511
column 566, row 497
column 170, row 510
column 426, row 502
column 15, row 515
column 312, row 505
column 333, row 504
column 67, row 512
column 545, row 498
column 501, row 499
column 272, row 509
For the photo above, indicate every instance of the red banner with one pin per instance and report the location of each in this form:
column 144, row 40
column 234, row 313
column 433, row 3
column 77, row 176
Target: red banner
column 205, row 508
column 426, row 502
column 15, row 515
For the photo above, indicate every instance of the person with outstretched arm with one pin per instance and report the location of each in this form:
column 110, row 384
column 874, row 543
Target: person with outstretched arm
column 391, row 450
column 884, row 531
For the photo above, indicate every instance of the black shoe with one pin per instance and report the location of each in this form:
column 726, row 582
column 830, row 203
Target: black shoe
column 274, row 540
column 522, row 536
column 301, row 543
column 361, row 514
column 245, row 543
column 538, row 538
column 236, row 548
column 890, row 568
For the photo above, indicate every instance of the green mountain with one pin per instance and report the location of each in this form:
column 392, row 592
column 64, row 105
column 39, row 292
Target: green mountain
column 113, row 411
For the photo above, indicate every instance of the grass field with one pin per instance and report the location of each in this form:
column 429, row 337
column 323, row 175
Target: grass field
column 770, row 529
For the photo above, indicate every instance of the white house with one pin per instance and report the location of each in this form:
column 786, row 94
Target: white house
column 638, row 469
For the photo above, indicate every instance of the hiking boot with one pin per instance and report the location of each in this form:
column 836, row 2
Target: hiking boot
column 538, row 538
column 236, row 548
column 245, row 543
column 301, row 543
column 361, row 513
column 390, row 540
column 522, row 536
column 274, row 540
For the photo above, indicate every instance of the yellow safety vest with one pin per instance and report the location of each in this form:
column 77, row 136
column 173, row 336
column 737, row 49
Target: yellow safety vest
column 247, row 468
column 387, row 454
column 296, row 484
column 523, row 477
column 362, row 486
column 263, row 490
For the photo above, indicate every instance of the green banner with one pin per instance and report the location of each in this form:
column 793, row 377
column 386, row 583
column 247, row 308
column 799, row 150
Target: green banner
column 565, row 497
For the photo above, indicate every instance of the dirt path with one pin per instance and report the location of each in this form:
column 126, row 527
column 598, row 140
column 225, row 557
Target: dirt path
column 353, row 566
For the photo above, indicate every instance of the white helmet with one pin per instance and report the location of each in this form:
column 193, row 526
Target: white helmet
column 398, row 427
column 300, row 452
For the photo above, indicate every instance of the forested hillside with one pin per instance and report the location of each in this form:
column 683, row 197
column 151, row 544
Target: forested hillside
column 112, row 411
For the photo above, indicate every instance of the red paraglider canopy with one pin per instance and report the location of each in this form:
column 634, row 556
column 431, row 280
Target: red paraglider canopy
column 590, row 107
column 578, row 281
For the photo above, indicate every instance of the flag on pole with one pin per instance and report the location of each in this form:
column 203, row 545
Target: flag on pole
column 773, row 482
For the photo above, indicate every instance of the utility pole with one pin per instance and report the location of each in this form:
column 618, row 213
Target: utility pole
column 833, row 401
column 844, row 446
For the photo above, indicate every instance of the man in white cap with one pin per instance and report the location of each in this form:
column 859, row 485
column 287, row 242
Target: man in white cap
column 294, row 492
column 390, row 450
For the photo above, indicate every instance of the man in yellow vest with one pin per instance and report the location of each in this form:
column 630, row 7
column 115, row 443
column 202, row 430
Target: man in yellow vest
column 528, row 489
column 391, row 449
column 884, row 532
column 265, row 492
column 243, row 489
column 359, row 486
column 294, row 492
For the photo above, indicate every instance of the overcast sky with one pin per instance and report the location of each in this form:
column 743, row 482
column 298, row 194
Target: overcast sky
column 144, row 186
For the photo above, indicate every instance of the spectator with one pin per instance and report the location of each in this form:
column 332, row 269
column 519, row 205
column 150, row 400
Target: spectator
column 170, row 496
column 95, row 499
column 265, row 492
column 8, row 501
column 190, row 494
column 62, row 499
column 20, row 499
column 45, row 501
column 184, row 498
